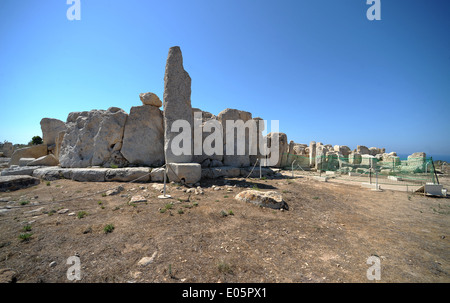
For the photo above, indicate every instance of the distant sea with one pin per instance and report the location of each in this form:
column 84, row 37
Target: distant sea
column 445, row 158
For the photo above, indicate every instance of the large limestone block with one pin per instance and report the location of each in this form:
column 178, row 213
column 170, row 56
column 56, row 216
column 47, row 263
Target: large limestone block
column 203, row 122
column 157, row 175
column 228, row 118
column 177, row 106
column 127, row 174
column 50, row 130
column 143, row 139
column 416, row 161
column 26, row 161
column 93, row 138
column 355, row 158
column 363, row 150
column 34, row 151
column 270, row 199
column 189, row 173
column 58, row 143
column 283, row 148
column 49, row 160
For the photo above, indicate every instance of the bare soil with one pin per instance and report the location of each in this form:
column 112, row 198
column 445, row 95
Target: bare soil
column 327, row 235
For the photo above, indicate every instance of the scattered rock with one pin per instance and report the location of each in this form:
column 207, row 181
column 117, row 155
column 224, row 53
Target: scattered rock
column 52, row 264
column 48, row 160
column 115, row 191
column 62, row 211
column 270, row 199
column 150, row 99
column 137, row 199
column 17, row 182
column 147, row 260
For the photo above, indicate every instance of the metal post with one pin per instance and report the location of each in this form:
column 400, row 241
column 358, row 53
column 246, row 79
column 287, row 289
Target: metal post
column 260, row 173
column 164, row 196
column 293, row 169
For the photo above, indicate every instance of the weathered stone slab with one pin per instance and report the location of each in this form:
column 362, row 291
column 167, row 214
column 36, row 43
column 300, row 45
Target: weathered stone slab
column 140, row 174
column 26, row 161
column 89, row 174
column 17, row 182
column 52, row 173
column 48, row 160
column 270, row 199
column 16, row 170
column 34, row 151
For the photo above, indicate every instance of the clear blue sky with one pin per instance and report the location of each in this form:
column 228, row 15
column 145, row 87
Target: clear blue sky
column 318, row 66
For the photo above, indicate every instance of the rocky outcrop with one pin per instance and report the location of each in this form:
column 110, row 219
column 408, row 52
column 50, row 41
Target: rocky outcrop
column 177, row 106
column 93, row 138
column 143, row 139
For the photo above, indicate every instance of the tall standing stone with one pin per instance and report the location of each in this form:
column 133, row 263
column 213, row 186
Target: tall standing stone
column 312, row 154
column 177, row 103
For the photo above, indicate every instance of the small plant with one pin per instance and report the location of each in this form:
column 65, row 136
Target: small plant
column 99, row 202
column 255, row 187
column 133, row 204
column 168, row 206
column 223, row 214
column 162, row 210
column 103, row 194
column 58, row 185
column 108, row 228
column 114, row 166
column 195, row 204
column 24, row 202
column 285, row 191
column 316, row 198
column 27, row 227
column 170, row 271
column 116, row 208
column 187, row 206
column 81, row 214
column 47, row 183
column 224, row 268
column 225, row 196
column 263, row 178
column 180, row 211
column 230, row 213
column 25, row 237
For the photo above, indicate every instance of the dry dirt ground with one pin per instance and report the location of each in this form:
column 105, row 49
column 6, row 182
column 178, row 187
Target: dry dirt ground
column 327, row 235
